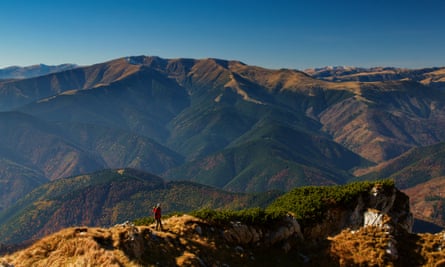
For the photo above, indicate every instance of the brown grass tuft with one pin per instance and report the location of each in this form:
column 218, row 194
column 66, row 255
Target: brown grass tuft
column 72, row 247
column 367, row 246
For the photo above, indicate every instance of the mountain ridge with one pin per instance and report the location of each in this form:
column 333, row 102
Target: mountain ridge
column 17, row 72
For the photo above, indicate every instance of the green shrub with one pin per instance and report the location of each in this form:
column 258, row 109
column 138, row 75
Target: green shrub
column 253, row 216
column 144, row 221
column 309, row 203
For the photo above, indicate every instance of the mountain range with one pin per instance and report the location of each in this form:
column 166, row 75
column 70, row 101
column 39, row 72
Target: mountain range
column 224, row 124
column 16, row 72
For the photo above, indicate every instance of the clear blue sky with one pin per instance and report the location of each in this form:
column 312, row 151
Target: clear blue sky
column 269, row 33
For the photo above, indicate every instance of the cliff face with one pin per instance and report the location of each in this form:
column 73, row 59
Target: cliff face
column 376, row 226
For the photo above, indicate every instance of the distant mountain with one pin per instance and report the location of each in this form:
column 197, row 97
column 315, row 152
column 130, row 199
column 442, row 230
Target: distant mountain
column 108, row 197
column 16, row 72
column 412, row 168
column 434, row 77
column 17, row 93
column 428, row 199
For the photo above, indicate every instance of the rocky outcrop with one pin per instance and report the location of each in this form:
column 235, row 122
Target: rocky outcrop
column 385, row 208
column 282, row 233
column 367, row 209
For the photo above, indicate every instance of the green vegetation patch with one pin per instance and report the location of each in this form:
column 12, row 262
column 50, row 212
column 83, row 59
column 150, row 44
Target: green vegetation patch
column 309, row 204
column 253, row 216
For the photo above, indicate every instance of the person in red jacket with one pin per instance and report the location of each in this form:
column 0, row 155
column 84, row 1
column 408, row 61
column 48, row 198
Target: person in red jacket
column 157, row 213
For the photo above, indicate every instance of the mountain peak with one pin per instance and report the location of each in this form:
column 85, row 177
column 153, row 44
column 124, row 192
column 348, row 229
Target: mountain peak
column 136, row 60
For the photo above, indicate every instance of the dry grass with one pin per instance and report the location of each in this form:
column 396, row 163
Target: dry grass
column 188, row 241
column 368, row 246
column 74, row 247
column 122, row 245
column 432, row 249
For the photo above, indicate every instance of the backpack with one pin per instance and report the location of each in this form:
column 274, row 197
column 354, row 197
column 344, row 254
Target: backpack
column 157, row 212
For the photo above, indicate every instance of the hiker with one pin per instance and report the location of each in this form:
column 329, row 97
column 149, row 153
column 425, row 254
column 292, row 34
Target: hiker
column 157, row 213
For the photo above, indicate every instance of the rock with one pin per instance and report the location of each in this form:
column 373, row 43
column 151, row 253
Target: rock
column 282, row 231
column 391, row 249
column 198, row 230
column 290, row 228
column 243, row 234
column 373, row 218
column 368, row 209
column 239, row 249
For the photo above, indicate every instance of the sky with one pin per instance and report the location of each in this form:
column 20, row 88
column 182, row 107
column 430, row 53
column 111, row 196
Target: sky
column 269, row 33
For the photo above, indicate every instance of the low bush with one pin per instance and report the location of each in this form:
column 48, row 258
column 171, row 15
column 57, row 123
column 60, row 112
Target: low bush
column 309, row 203
column 253, row 216
column 144, row 221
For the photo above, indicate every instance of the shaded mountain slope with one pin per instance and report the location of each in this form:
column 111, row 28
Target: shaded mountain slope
column 427, row 200
column 414, row 167
column 39, row 145
column 291, row 157
column 78, row 200
column 143, row 102
column 66, row 149
column 109, row 197
column 17, row 180
column 118, row 148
